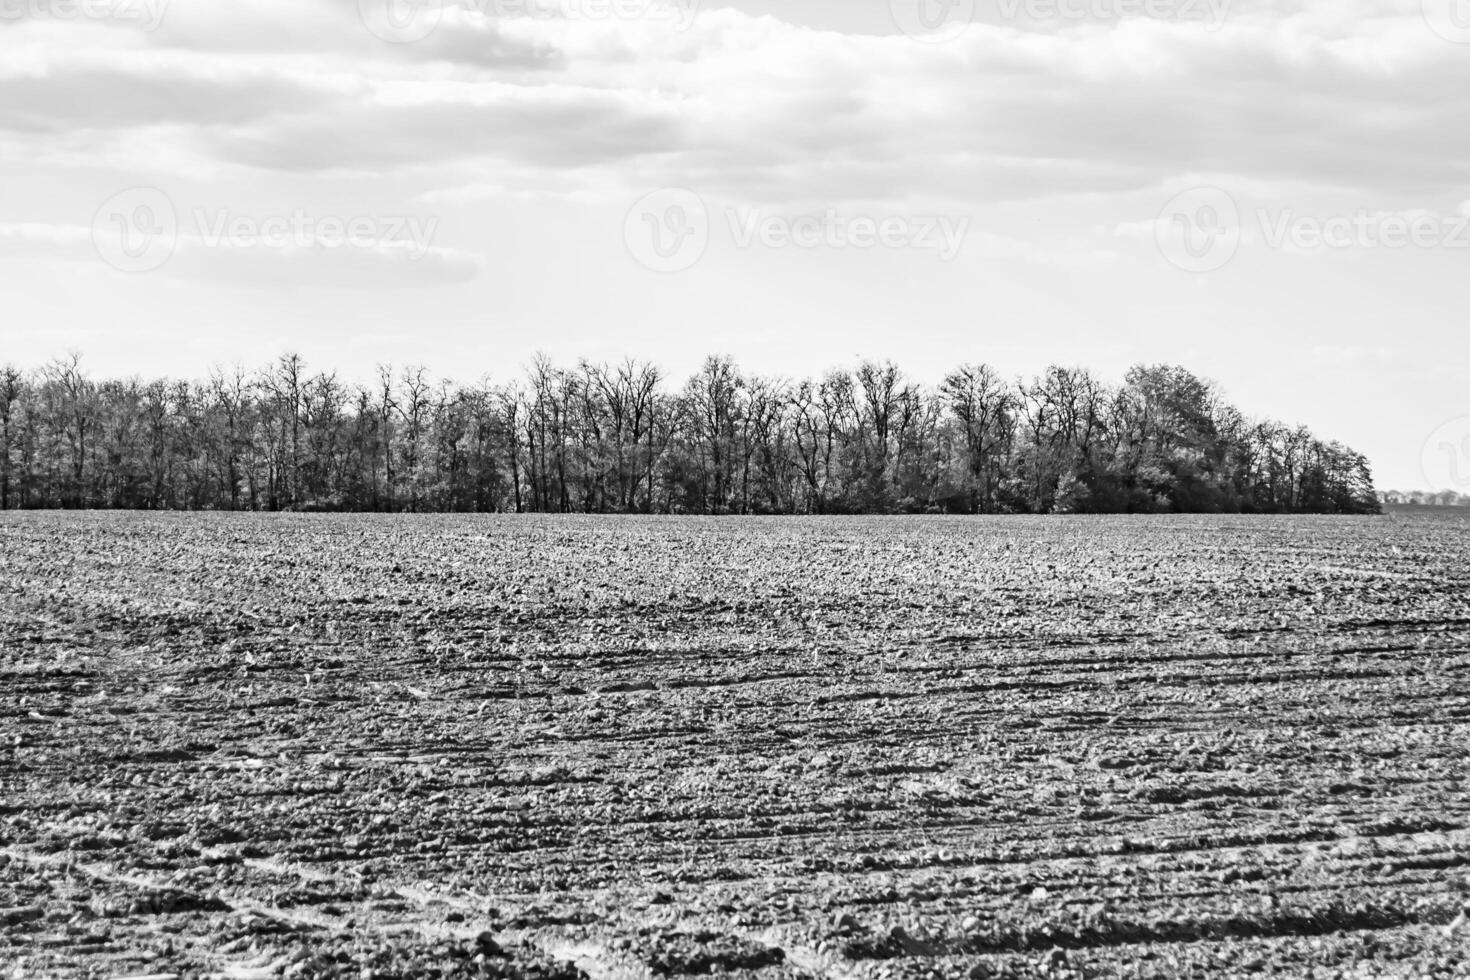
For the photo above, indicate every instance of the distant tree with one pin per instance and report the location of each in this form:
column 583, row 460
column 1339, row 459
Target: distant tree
column 71, row 398
column 603, row 438
column 12, row 395
column 980, row 404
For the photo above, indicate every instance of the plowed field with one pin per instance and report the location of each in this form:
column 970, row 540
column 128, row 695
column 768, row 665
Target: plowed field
column 373, row 747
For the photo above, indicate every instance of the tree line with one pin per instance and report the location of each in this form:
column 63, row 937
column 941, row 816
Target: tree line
column 620, row 438
column 1443, row 498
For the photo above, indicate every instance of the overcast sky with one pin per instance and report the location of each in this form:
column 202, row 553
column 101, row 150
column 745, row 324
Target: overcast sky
column 1274, row 194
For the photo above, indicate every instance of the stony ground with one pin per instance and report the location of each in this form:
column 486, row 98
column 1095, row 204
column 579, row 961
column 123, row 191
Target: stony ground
column 319, row 746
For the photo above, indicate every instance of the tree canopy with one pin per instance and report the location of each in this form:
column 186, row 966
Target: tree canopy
column 619, row 438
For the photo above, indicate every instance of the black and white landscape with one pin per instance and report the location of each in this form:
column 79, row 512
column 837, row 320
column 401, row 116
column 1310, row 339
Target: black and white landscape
column 806, row 489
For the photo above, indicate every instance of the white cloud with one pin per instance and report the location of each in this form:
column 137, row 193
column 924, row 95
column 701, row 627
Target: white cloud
column 19, row 238
column 763, row 111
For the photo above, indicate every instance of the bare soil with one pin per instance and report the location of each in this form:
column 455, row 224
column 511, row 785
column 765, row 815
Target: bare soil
column 345, row 746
